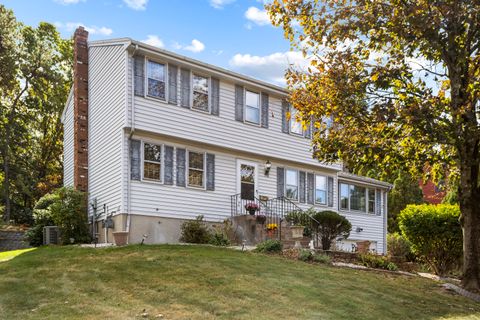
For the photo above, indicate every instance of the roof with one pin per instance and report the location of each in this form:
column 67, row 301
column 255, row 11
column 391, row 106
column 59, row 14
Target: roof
column 225, row 72
column 351, row 176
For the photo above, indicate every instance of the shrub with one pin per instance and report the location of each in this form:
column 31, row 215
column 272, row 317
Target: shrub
column 221, row 234
column 195, row 231
column 398, row 246
column 269, row 246
column 331, row 225
column 64, row 208
column 377, row 262
column 322, row 258
column 305, row 255
column 435, row 234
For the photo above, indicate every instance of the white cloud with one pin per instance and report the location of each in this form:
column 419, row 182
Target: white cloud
column 67, row 2
column 219, row 4
column 257, row 16
column 194, row 46
column 154, row 40
column 136, row 4
column 71, row 26
column 271, row 67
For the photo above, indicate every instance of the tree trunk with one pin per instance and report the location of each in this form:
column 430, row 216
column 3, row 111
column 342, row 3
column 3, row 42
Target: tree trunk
column 6, row 180
column 469, row 194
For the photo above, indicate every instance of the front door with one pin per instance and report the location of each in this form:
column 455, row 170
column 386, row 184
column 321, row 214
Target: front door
column 247, row 179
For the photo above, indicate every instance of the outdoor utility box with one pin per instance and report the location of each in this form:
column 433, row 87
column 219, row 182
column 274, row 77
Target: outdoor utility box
column 51, row 235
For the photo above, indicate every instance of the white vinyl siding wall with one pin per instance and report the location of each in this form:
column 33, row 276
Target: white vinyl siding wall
column 68, row 145
column 107, row 105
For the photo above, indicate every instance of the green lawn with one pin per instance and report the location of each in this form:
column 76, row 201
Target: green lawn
column 193, row 282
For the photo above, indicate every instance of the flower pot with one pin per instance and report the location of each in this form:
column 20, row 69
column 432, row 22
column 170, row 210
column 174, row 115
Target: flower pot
column 297, row 232
column 252, row 211
column 120, row 238
column 261, row 219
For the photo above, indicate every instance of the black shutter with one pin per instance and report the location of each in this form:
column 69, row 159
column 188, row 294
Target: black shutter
column 215, row 97
column 310, row 188
column 378, row 202
column 302, row 186
column 172, row 83
column 330, row 186
column 181, row 167
column 185, row 87
column 280, row 182
column 285, row 122
column 210, row 171
column 265, row 111
column 168, row 170
column 135, row 160
column 238, row 103
column 139, row 75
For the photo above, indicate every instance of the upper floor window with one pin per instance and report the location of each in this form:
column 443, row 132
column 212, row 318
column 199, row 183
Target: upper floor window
column 152, row 161
column 200, row 93
column 252, row 107
column 291, row 185
column 320, row 189
column 295, row 126
column 196, row 169
column 357, row 198
column 156, row 79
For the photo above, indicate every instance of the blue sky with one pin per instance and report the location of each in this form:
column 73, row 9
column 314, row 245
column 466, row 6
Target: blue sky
column 234, row 34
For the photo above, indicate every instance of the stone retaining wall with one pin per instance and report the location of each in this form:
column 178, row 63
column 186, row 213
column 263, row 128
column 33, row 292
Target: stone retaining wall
column 12, row 240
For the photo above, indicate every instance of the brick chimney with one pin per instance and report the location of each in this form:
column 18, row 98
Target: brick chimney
column 80, row 109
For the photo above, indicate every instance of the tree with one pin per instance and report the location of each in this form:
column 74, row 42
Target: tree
column 401, row 81
column 330, row 225
column 405, row 191
column 35, row 73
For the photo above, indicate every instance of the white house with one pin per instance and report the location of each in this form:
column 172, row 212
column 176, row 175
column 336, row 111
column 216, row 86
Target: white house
column 157, row 138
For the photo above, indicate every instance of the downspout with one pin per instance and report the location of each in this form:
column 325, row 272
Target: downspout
column 132, row 131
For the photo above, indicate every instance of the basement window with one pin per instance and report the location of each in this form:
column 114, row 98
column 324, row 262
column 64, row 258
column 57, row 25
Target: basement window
column 156, row 79
column 152, row 161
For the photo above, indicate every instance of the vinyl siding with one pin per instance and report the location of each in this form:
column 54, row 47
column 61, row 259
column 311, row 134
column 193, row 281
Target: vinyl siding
column 156, row 199
column 107, row 109
column 68, row 144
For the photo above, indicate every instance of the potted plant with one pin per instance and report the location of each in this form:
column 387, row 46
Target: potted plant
column 297, row 221
column 252, row 207
column 297, row 231
column 271, row 228
column 261, row 219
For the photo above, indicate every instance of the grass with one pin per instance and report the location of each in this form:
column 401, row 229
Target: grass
column 194, row 282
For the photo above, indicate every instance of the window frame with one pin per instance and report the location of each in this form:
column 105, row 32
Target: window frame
column 326, row 189
column 209, row 84
column 146, row 92
column 161, row 162
column 259, row 93
column 298, row 184
column 292, row 118
column 187, row 169
column 367, row 198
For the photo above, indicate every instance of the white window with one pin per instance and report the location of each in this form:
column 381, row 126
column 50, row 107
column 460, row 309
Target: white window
column 196, row 169
column 152, row 161
column 200, row 93
column 357, row 198
column 295, row 126
column 320, row 189
column 252, row 107
column 156, row 79
column 291, row 184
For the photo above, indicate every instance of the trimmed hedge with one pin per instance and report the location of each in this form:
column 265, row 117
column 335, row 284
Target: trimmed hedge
column 331, row 225
column 435, row 234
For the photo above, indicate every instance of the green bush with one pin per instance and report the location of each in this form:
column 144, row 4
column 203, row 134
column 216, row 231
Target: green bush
column 195, row 231
column 377, row 262
column 398, row 246
column 219, row 239
column 331, row 225
column 269, row 246
column 435, row 234
column 305, row 255
column 322, row 258
column 64, row 208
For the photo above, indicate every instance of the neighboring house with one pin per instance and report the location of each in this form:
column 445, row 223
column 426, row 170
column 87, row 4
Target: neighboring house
column 156, row 138
column 432, row 193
